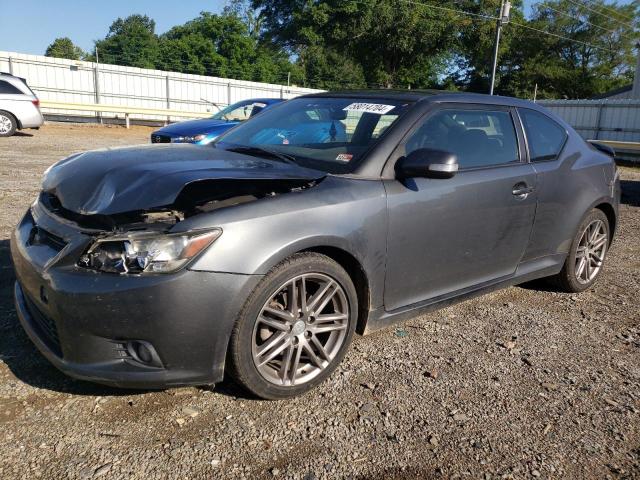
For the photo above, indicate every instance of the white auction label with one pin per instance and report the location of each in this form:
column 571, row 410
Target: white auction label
column 378, row 108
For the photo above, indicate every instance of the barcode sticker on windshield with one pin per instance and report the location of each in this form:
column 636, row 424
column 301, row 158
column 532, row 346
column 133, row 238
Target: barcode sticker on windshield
column 378, row 108
column 344, row 157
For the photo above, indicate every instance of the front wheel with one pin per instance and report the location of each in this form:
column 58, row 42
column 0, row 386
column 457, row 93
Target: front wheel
column 295, row 328
column 587, row 254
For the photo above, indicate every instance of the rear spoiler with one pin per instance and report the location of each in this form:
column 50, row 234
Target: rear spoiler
column 603, row 147
column 14, row 76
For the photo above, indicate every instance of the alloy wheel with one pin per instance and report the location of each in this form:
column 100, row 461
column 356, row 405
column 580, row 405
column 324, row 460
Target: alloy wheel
column 591, row 251
column 300, row 329
column 5, row 124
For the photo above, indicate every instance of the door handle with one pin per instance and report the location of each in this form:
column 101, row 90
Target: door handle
column 521, row 190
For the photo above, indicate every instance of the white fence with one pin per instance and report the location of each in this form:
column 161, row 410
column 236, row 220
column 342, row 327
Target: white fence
column 68, row 81
column 617, row 120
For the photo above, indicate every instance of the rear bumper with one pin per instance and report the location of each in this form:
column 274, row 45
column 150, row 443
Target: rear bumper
column 81, row 320
column 31, row 117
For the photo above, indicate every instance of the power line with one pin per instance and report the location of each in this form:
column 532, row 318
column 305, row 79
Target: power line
column 609, row 9
column 583, row 5
column 586, row 22
column 242, row 72
column 561, row 36
column 489, row 17
column 476, row 16
column 452, row 10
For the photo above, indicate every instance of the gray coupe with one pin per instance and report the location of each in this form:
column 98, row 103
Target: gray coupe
column 260, row 255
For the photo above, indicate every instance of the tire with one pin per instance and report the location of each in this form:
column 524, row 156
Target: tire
column 8, row 124
column 267, row 326
column 568, row 279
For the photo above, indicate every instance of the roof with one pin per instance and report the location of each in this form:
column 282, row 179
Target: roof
column 263, row 100
column 411, row 95
column 429, row 96
column 614, row 92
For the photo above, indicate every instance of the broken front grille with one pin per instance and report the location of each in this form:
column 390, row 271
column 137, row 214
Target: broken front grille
column 39, row 236
column 160, row 139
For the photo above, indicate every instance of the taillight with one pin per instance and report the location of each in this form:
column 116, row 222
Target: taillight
column 36, row 102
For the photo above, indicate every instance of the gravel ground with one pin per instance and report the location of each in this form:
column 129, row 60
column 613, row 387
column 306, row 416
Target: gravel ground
column 525, row 382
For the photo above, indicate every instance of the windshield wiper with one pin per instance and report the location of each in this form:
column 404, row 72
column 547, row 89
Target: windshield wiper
column 259, row 151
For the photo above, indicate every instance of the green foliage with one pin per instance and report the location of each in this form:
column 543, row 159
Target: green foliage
column 564, row 67
column 338, row 44
column 475, row 44
column 63, row 47
column 328, row 69
column 376, row 42
column 222, row 45
column 225, row 45
column 395, row 43
column 131, row 41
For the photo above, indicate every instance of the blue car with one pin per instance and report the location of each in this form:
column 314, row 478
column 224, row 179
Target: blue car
column 204, row 131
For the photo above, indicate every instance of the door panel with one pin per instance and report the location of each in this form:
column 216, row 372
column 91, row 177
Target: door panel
column 450, row 234
column 446, row 235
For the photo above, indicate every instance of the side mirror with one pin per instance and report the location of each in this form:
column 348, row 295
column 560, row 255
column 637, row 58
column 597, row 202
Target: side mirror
column 338, row 114
column 256, row 110
column 429, row 163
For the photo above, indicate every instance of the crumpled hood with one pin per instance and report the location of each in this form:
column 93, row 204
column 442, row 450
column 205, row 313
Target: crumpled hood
column 195, row 127
column 119, row 180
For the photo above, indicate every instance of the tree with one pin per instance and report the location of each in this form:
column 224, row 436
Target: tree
column 389, row 43
column 251, row 17
column 569, row 49
column 222, row 45
column 590, row 50
column 131, row 41
column 328, row 69
column 475, row 43
column 63, row 47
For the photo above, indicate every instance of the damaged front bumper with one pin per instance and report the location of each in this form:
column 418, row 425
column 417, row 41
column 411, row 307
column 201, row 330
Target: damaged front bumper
column 86, row 322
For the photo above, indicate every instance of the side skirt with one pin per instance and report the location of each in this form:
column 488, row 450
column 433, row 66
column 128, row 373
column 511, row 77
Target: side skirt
column 531, row 270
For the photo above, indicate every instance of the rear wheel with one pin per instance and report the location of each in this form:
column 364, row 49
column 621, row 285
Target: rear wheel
column 295, row 328
column 586, row 257
column 8, row 124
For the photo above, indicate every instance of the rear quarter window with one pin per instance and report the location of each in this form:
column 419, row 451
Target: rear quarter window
column 7, row 88
column 544, row 136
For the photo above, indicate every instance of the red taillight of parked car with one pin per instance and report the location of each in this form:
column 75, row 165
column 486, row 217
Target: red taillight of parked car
column 36, row 102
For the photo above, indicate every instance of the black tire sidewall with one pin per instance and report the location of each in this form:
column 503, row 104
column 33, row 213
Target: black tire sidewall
column 569, row 270
column 14, row 123
column 243, row 368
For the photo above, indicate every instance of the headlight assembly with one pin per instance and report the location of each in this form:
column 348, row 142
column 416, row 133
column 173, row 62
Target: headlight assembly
column 188, row 139
column 145, row 252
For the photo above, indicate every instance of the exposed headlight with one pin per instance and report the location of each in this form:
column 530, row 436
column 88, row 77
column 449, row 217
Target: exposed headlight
column 188, row 139
column 145, row 252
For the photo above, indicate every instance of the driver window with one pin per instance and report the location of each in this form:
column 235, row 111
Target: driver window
column 478, row 138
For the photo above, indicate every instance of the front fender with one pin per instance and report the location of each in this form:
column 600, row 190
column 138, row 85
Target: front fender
column 344, row 213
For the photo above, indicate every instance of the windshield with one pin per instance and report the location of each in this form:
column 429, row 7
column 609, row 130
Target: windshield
column 239, row 112
column 329, row 134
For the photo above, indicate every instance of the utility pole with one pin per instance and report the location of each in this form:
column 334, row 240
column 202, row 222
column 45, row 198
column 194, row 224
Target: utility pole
column 505, row 11
column 96, row 79
column 635, row 92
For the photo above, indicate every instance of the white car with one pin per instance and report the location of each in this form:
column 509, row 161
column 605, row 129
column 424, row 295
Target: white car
column 19, row 106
